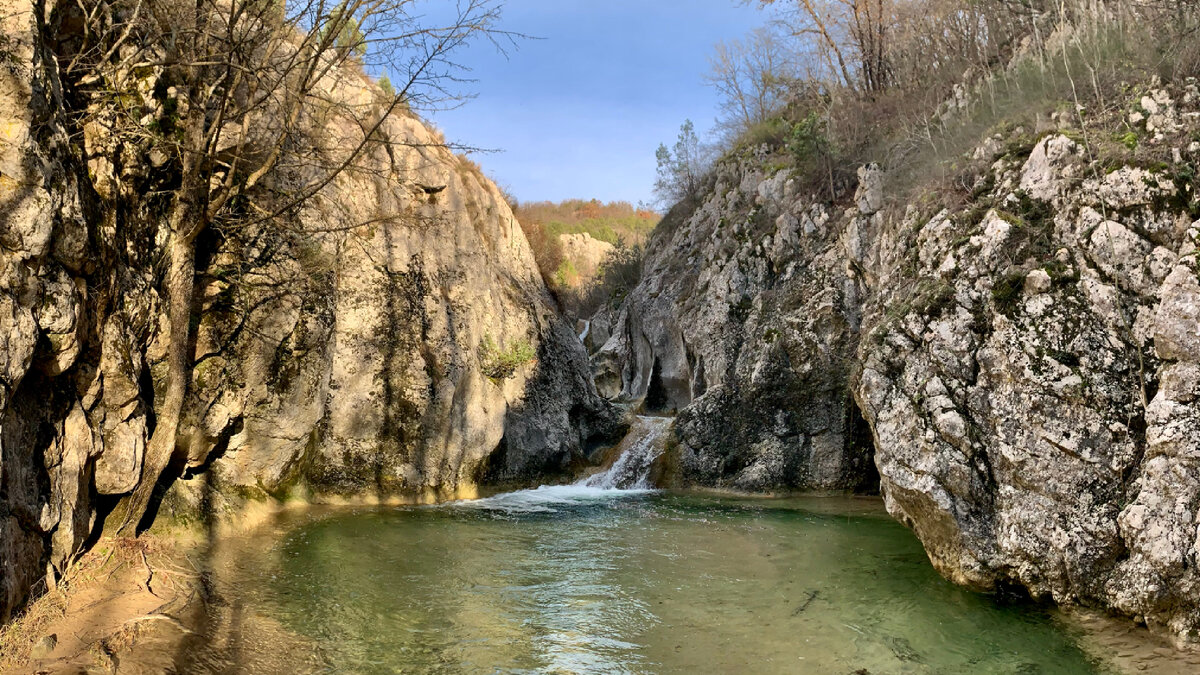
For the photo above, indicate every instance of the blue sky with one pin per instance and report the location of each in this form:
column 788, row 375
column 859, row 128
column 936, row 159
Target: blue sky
column 580, row 112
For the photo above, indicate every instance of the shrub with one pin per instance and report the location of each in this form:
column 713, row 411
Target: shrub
column 1007, row 293
column 501, row 364
column 566, row 276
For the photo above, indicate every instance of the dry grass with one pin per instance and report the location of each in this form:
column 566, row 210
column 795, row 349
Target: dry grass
column 110, row 556
column 18, row 637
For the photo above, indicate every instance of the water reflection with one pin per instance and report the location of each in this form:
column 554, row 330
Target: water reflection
column 570, row 581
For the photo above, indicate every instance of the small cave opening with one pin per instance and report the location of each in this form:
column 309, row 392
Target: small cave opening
column 656, row 394
column 860, row 450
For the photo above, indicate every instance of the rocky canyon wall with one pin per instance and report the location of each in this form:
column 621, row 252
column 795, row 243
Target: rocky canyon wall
column 394, row 339
column 1023, row 349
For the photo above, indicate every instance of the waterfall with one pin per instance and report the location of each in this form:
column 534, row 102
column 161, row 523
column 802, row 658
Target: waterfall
column 628, row 475
column 636, row 454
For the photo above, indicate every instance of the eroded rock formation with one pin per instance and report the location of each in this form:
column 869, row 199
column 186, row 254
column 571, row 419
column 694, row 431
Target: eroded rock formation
column 1031, row 403
column 744, row 323
column 382, row 353
column 1026, row 359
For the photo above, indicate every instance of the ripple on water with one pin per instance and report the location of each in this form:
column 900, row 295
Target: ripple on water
column 574, row 579
column 545, row 499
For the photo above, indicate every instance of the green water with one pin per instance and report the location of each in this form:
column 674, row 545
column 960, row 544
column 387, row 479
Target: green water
column 577, row 580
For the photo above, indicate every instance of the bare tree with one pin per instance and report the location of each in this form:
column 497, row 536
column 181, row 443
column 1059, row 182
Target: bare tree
column 753, row 77
column 225, row 96
column 870, row 46
column 821, row 20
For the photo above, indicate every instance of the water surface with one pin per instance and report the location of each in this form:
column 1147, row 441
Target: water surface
column 584, row 580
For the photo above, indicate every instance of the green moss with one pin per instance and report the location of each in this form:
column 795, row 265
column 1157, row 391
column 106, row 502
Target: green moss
column 206, row 373
column 1061, row 273
column 1020, row 147
column 1033, row 227
column 1007, row 293
column 1010, row 218
column 57, row 340
column 158, row 376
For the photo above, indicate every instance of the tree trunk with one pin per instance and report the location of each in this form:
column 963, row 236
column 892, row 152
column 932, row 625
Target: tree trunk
column 180, row 281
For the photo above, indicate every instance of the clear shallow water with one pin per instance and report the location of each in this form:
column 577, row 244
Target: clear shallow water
column 582, row 580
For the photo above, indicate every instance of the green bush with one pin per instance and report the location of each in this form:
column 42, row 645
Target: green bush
column 566, row 276
column 501, row 364
column 1007, row 293
column 618, row 275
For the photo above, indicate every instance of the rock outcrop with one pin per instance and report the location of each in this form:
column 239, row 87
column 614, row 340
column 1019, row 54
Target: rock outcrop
column 1026, row 358
column 585, row 253
column 1030, row 402
column 744, row 324
column 404, row 345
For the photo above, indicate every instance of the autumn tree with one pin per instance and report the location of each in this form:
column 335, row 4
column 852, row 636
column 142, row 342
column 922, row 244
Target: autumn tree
column 223, row 96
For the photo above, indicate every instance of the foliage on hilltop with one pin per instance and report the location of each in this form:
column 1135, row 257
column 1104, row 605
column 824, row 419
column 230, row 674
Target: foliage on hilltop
column 619, row 223
column 610, row 222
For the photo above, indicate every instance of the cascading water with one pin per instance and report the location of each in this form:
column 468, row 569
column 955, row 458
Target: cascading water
column 637, row 452
column 628, row 476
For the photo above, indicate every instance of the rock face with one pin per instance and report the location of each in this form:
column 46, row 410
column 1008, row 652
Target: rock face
column 744, row 323
column 1027, row 361
column 381, row 382
column 585, row 253
column 1031, row 403
column 378, row 380
column 405, row 345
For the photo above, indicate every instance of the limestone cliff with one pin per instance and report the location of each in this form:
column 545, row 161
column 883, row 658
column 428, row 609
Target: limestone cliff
column 395, row 339
column 1032, row 395
column 585, row 254
column 1025, row 354
column 744, row 323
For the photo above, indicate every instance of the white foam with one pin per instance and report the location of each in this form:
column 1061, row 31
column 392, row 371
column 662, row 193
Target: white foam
column 547, row 498
column 629, row 476
column 639, row 449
